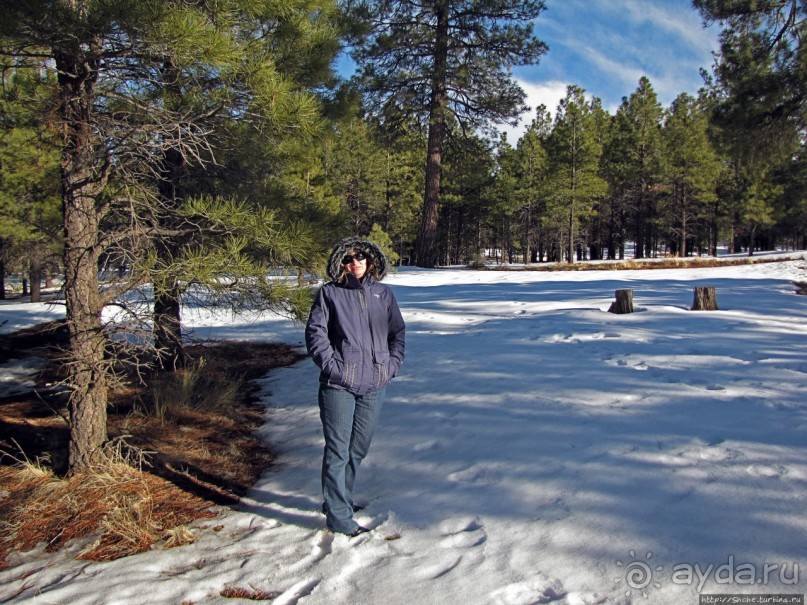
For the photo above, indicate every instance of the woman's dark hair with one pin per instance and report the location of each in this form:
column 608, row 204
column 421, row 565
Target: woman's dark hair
column 372, row 270
column 376, row 260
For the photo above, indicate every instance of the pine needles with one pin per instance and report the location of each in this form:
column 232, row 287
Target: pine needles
column 127, row 510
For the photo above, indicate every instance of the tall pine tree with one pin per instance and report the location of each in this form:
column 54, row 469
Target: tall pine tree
column 120, row 67
column 692, row 169
column 445, row 61
column 575, row 149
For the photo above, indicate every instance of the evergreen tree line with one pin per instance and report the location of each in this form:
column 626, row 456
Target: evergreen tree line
column 159, row 152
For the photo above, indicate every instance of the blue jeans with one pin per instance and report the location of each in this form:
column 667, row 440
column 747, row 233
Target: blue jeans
column 348, row 423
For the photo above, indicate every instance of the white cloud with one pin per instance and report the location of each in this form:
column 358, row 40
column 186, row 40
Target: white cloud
column 548, row 94
column 606, row 47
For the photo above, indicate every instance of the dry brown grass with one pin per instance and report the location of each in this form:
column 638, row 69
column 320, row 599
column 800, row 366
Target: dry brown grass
column 127, row 510
column 163, row 471
column 252, row 594
column 633, row 264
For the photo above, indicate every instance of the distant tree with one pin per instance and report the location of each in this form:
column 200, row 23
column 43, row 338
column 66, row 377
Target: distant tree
column 444, row 61
column 30, row 198
column 793, row 220
column 471, row 200
column 404, row 185
column 758, row 103
column 692, row 169
column 505, row 202
column 357, row 173
column 532, row 165
column 633, row 168
column 575, row 150
column 380, row 237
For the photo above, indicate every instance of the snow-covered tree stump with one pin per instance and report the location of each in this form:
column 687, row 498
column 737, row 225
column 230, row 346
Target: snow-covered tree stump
column 705, row 299
column 623, row 302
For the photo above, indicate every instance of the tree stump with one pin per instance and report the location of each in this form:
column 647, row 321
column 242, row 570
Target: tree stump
column 705, row 299
column 623, row 302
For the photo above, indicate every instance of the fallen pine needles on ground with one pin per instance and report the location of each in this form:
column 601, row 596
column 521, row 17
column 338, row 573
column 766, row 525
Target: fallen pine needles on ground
column 163, row 470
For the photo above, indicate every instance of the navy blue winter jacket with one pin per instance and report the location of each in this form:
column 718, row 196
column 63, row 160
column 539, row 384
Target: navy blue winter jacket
column 355, row 335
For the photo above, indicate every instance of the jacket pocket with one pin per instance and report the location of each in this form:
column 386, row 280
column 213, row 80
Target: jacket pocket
column 381, row 371
column 344, row 371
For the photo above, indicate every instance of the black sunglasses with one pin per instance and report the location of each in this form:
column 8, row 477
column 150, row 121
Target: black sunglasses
column 351, row 257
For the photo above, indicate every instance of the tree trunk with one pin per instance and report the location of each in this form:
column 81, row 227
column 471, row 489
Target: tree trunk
column 36, row 280
column 427, row 236
column 705, row 299
column 623, row 303
column 570, row 242
column 168, row 330
column 751, row 244
column 80, row 185
column 167, row 301
column 639, row 226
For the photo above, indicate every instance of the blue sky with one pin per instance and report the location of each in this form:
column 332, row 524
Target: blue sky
column 605, row 46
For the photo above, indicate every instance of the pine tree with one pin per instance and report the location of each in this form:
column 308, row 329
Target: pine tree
column 761, row 71
column 634, row 157
column 691, row 166
column 575, row 149
column 30, row 234
column 255, row 54
column 470, row 200
column 533, row 172
column 444, row 61
column 119, row 123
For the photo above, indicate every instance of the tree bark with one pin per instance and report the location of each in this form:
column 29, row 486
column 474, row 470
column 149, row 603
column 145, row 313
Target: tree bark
column 623, row 303
column 36, row 279
column 168, row 329
column 80, row 185
column 801, row 287
column 427, row 236
column 2, row 275
column 705, row 299
column 167, row 304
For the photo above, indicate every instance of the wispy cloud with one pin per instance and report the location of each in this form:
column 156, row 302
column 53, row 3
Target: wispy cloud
column 606, row 47
column 686, row 25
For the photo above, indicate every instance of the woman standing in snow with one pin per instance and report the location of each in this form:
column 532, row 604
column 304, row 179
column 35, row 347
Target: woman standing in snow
column 355, row 335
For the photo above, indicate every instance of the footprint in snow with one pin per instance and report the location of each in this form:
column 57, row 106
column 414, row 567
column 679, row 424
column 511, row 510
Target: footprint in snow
column 463, row 533
column 475, row 474
column 298, row 591
column 460, row 537
column 769, row 471
column 538, row 589
column 426, row 446
column 323, row 546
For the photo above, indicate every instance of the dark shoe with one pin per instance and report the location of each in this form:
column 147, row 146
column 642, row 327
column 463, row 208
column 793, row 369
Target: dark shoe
column 360, row 529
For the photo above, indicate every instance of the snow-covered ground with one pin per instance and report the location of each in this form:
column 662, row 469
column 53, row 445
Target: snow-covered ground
column 534, row 449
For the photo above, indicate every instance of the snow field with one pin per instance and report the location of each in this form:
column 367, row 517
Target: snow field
column 534, row 449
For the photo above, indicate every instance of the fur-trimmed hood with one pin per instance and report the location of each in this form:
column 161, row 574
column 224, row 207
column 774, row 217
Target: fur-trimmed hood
column 354, row 243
